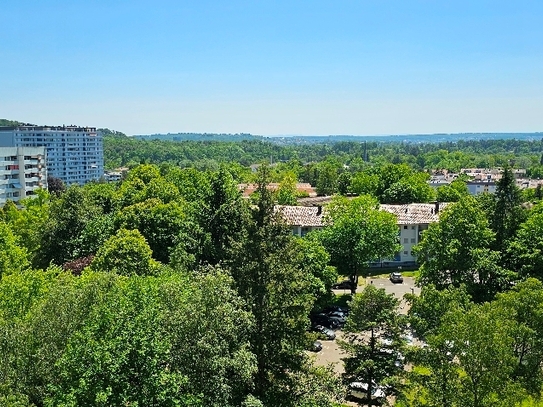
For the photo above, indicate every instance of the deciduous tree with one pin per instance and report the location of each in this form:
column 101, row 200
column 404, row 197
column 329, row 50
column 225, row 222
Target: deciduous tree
column 357, row 232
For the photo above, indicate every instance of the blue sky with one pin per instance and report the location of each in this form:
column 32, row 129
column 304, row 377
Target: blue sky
column 274, row 67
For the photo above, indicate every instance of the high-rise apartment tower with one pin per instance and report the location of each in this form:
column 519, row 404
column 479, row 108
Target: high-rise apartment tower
column 74, row 154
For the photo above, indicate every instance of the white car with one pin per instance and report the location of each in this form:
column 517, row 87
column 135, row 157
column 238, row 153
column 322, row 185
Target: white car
column 359, row 391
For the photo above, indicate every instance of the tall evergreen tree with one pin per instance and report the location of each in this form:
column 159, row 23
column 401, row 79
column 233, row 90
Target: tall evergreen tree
column 508, row 214
column 277, row 293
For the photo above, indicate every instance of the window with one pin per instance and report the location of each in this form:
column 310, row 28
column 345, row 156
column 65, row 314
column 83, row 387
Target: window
column 406, row 240
column 405, row 252
column 413, row 227
column 405, row 227
column 413, row 240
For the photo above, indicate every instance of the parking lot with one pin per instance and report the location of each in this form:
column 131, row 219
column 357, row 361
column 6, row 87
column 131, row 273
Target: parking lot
column 331, row 354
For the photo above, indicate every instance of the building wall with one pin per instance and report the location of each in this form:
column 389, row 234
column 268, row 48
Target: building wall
column 476, row 188
column 408, row 235
column 74, row 154
column 23, row 170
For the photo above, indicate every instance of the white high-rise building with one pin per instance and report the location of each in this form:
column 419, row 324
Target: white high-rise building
column 74, row 154
column 22, row 171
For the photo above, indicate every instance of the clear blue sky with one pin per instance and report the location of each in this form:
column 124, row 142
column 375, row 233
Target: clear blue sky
column 274, row 67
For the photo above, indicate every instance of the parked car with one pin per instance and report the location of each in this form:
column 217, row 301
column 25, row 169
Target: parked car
column 338, row 316
column 325, row 320
column 317, row 346
column 396, row 277
column 330, row 335
column 336, row 308
column 344, row 285
column 359, row 390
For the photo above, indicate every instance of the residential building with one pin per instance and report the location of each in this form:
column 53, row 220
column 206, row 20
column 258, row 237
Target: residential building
column 481, row 186
column 412, row 220
column 302, row 219
column 22, row 171
column 74, row 154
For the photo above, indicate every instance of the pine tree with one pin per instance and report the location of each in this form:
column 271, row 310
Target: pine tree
column 508, row 214
column 277, row 293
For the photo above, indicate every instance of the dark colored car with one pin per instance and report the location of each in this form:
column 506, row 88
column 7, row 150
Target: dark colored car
column 344, row 285
column 325, row 320
column 340, row 317
column 336, row 308
column 317, row 346
column 330, row 335
column 396, row 277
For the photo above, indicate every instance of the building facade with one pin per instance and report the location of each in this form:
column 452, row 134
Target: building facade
column 22, row 171
column 412, row 220
column 74, row 154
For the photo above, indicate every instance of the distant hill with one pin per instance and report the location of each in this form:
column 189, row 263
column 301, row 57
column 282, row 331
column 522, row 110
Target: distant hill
column 199, row 137
column 405, row 138
column 331, row 139
column 6, row 122
column 111, row 133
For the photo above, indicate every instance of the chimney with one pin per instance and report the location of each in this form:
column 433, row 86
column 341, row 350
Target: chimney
column 319, row 210
column 436, row 211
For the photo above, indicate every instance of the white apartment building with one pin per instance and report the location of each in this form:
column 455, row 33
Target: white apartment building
column 74, row 154
column 22, row 171
column 412, row 220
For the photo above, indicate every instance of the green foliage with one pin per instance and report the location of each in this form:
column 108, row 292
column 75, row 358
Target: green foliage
column 525, row 251
column 469, row 361
column 508, row 214
column 103, row 339
column 68, row 217
column 364, row 183
column 313, row 259
column 327, row 179
column 374, row 317
column 523, row 306
column 358, row 232
column 286, row 193
column 127, row 253
column 412, row 188
column 452, row 192
column 95, row 234
column 427, row 311
column 160, row 224
column 223, row 219
column 457, row 250
column 13, row 258
column 6, row 122
column 27, row 224
column 278, row 294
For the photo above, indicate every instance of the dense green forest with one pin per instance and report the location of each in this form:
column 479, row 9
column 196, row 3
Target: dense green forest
column 6, row 122
column 343, row 156
column 170, row 289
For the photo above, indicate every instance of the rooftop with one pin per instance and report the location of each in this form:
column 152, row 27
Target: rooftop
column 408, row 214
column 32, row 127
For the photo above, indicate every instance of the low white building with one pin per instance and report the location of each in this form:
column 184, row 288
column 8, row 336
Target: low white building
column 22, row 172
